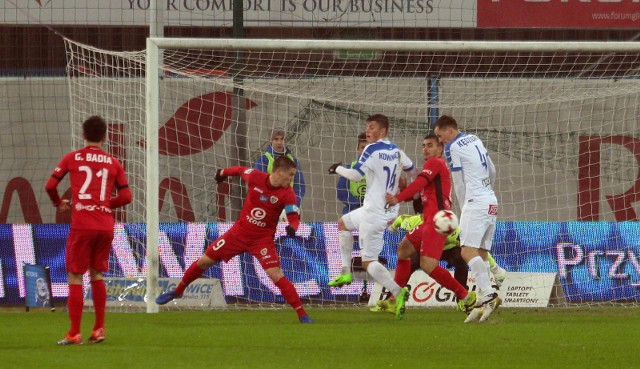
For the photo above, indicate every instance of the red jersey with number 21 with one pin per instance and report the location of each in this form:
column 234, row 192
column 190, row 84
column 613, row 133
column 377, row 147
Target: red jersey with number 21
column 93, row 174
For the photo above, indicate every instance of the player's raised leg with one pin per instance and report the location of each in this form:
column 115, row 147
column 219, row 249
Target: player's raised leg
column 191, row 274
column 346, row 224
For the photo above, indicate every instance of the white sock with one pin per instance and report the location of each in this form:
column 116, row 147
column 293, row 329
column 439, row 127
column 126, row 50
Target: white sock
column 382, row 276
column 346, row 249
column 481, row 273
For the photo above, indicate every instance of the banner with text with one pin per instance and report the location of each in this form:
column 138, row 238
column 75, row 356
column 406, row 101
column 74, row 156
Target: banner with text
column 130, row 292
column 517, row 290
column 257, row 13
column 594, row 261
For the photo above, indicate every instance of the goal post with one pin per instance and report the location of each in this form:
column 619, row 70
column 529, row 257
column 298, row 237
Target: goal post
column 560, row 119
column 152, row 155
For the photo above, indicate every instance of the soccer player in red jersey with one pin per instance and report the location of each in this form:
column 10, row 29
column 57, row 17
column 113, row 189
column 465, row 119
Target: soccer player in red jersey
column 254, row 230
column 93, row 174
column 435, row 183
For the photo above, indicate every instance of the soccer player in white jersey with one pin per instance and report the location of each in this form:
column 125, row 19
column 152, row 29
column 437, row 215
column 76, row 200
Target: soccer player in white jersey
column 473, row 175
column 382, row 162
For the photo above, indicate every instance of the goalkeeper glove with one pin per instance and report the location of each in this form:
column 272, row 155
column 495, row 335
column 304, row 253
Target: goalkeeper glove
column 333, row 167
column 291, row 232
column 219, row 177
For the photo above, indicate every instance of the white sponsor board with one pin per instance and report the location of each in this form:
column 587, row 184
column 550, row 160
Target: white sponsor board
column 517, row 290
column 130, row 292
column 257, row 13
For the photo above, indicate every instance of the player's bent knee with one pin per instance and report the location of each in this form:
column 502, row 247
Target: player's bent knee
column 275, row 274
column 469, row 253
column 341, row 226
column 405, row 249
column 95, row 274
column 428, row 264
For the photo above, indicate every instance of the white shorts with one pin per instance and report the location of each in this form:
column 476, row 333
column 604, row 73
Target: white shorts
column 478, row 225
column 371, row 226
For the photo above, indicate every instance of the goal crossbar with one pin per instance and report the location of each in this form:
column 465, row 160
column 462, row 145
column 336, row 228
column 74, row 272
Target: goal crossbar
column 394, row 45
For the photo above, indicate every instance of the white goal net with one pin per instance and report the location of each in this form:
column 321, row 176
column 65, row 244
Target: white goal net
column 561, row 121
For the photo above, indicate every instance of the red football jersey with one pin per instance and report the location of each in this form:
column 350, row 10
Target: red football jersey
column 264, row 203
column 93, row 174
column 437, row 194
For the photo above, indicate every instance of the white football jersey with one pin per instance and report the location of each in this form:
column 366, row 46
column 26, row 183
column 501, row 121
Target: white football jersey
column 467, row 153
column 382, row 163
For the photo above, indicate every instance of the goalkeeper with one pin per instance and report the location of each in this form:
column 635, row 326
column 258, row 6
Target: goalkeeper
column 410, row 245
column 451, row 253
column 351, row 193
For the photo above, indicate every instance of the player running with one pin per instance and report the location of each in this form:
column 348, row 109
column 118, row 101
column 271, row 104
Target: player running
column 382, row 162
column 254, row 231
column 473, row 175
column 93, row 174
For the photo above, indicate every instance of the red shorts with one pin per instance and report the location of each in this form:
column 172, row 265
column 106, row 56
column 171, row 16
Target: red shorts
column 434, row 241
column 88, row 249
column 237, row 241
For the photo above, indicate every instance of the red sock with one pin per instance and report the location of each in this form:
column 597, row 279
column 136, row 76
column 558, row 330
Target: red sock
column 403, row 272
column 194, row 272
column 75, row 302
column 291, row 295
column 442, row 276
column 99, row 295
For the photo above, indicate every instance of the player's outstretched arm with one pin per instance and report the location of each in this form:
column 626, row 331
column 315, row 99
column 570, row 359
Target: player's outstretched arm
column 332, row 169
column 350, row 174
column 222, row 174
column 219, row 177
column 414, row 188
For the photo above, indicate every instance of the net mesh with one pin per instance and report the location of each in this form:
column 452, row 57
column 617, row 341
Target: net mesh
column 561, row 127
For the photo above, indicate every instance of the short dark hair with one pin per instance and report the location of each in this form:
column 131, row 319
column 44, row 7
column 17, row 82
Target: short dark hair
column 283, row 162
column 362, row 137
column 381, row 119
column 432, row 136
column 94, row 129
column 446, row 121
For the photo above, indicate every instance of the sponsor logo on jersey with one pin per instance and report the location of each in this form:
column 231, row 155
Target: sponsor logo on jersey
column 79, row 207
column 263, row 198
column 273, row 199
column 255, row 217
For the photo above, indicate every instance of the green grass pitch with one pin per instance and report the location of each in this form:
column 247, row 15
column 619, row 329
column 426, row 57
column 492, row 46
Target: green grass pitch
column 593, row 337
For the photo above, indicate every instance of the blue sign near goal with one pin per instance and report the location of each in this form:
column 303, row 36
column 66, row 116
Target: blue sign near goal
column 37, row 284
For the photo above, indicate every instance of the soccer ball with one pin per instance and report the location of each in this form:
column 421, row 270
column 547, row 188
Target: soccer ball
column 445, row 222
